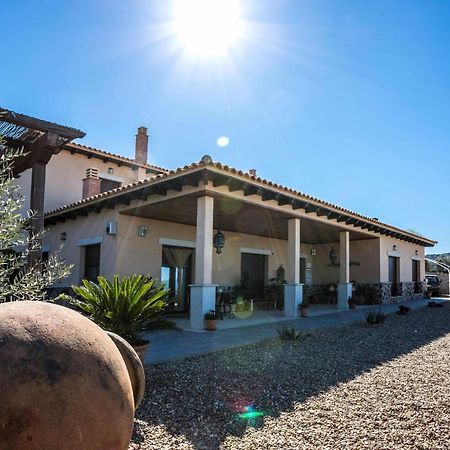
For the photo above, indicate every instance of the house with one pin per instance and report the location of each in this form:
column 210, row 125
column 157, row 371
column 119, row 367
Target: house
column 115, row 215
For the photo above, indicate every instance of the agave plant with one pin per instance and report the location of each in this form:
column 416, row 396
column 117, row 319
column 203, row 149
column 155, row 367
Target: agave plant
column 124, row 306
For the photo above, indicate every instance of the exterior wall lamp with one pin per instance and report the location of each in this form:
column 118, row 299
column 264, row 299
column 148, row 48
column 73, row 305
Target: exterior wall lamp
column 333, row 256
column 313, row 252
column 63, row 236
column 219, row 241
column 394, row 247
column 417, row 252
column 142, row 231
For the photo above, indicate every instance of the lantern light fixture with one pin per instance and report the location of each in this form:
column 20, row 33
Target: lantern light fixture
column 333, row 256
column 313, row 252
column 142, row 231
column 63, row 236
column 219, row 241
column 394, row 247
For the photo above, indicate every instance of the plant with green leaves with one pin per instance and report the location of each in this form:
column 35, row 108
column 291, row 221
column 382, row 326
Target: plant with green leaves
column 124, row 306
column 20, row 280
column 290, row 333
column 375, row 317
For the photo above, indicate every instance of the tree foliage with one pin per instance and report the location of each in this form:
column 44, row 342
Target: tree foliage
column 18, row 279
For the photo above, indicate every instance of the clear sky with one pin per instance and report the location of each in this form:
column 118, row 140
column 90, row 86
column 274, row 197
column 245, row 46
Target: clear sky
column 345, row 100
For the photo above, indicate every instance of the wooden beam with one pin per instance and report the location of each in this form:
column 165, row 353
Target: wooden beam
column 234, row 185
column 37, row 206
column 322, row 212
column 250, row 190
column 283, row 200
column 267, row 195
column 299, row 204
column 333, row 215
column 311, row 208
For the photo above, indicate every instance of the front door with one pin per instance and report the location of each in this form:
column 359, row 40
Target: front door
column 176, row 273
column 253, row 274
column 393, row 275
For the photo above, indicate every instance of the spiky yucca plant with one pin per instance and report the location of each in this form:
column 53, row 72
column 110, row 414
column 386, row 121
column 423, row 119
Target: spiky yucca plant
column 124, row 306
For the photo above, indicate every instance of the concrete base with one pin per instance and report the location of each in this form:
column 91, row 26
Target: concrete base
column 203, row 299
column 293, row 297
column 344, row 292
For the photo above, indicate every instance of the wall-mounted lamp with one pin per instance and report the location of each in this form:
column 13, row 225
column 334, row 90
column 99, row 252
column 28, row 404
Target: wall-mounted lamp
column 219, row 241
column 110, row 170
column 417, row 252
column 313, row 252
column 63, row 236
column 142, row 231
column 333, row 256
column 394, row 247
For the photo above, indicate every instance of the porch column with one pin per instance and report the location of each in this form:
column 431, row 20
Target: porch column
column 344, row 287
column 203, row 293
column 37, row 206
column 293, row 290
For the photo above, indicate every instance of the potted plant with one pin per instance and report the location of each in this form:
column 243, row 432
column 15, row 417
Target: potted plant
column 211, row 320
column 304, row 307
column 127, row 306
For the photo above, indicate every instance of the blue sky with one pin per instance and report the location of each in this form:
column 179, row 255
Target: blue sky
column 348, row 101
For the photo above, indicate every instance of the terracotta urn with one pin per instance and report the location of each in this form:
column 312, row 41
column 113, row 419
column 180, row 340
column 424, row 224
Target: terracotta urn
column 64, row 383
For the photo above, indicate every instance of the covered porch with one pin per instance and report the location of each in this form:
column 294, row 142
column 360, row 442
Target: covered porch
column 261, row 237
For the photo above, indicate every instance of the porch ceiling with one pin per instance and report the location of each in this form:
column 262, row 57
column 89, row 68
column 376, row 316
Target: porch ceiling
column 241, row 217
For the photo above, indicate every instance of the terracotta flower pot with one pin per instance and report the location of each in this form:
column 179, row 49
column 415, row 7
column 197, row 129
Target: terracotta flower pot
column 64, row 382
column 142, row 349
column 211, row 325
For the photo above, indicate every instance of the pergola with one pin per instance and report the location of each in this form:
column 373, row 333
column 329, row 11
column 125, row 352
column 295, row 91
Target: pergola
column 40, row 140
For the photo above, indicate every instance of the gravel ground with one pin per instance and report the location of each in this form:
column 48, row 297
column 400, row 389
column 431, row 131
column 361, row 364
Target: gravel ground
column 358, row 387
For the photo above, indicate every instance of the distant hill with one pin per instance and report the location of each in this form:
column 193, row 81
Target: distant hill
column 438, row 256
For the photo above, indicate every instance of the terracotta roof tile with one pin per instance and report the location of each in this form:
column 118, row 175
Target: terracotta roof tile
column 97, row 152
column 226, row 168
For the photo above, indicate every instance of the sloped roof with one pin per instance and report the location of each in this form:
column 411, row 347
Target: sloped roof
column 222, row 174
column 107, row 156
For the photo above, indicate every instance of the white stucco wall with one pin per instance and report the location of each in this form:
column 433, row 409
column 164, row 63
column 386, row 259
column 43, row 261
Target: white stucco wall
column 126, row 253
column 407, row 252
column 64, row 175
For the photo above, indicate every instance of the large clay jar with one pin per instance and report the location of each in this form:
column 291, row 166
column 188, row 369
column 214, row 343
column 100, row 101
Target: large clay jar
column 63, row 382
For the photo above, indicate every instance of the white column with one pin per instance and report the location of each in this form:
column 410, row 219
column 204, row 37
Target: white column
column 203, row 293
column 293, row 290
column 344, row 287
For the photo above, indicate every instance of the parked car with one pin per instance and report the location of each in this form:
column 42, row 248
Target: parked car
column 433, row 284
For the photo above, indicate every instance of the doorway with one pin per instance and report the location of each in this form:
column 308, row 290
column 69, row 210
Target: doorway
column 394, row 265
column 253, row 274
column 176, row 273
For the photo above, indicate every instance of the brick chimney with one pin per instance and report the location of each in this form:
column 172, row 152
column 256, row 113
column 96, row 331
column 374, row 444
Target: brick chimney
column 91, row 184
column 141, row 149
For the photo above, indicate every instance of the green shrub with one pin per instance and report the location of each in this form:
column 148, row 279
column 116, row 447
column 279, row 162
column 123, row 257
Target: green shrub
column 374, row 317
column 124, row 306
column 290, row 333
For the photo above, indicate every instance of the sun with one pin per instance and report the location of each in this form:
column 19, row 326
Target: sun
column 208, row 27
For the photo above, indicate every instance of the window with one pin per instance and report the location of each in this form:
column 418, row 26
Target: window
column 92, row 262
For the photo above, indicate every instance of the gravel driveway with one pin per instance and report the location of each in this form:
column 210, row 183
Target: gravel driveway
column 358, row 387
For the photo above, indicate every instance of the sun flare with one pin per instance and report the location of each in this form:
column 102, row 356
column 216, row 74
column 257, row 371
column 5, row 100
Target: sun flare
column 208, row 27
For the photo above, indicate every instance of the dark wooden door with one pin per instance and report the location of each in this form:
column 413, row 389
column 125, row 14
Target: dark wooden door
column 393, row 275
column 253, row 268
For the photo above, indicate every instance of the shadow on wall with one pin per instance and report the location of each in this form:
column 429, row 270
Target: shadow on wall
column 200, row 398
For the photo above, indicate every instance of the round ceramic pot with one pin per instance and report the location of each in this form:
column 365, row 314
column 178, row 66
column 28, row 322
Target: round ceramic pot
column 64, row 382
column 211, row 325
